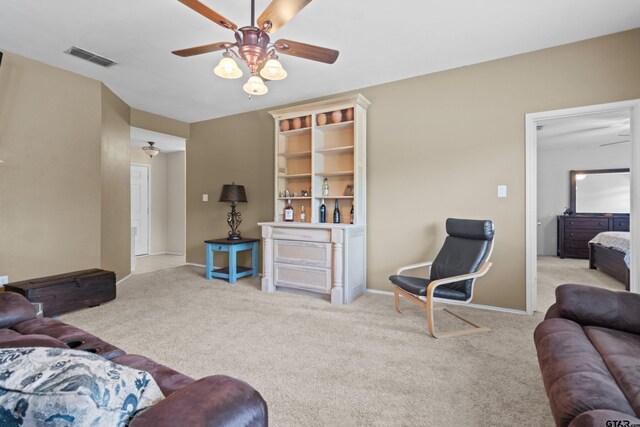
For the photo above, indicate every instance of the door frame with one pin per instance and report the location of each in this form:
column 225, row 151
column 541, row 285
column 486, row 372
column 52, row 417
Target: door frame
column 148, row 167
column 531, row 190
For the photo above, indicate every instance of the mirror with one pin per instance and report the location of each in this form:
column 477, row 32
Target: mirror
column 600, row 191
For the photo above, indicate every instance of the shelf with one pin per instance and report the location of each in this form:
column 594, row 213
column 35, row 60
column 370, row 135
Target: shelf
column 296, row 154
column 337, row 173
column 333, row 197
column 295, row 198
column 334, row 126
column 295, row 175
column 336, row 150
column 296, row 131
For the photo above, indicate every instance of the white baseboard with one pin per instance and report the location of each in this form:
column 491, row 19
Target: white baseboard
column 198, row 265
column 480, row 306
column 175, row 253
column 124, row 278
column 375, row 291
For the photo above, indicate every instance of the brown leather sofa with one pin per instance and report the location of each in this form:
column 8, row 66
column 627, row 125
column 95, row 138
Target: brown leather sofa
column 589, row 354
column 211, row 401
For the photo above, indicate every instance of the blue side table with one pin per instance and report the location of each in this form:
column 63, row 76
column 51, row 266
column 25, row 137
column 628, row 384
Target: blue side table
column 233, row 272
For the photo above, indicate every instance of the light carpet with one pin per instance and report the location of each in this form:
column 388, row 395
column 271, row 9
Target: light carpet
column 554, row 271
column 316, row 364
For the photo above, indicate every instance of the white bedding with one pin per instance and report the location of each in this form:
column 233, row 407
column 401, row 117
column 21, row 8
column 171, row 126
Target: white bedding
column 618, row 240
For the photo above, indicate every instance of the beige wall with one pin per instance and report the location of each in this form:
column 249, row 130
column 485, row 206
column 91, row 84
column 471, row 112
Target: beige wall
column 158, row 204
column 176, row 208
column 50, row 184
column 438, row 146
column 115, row 250
column 156, row 123
column 233, row 149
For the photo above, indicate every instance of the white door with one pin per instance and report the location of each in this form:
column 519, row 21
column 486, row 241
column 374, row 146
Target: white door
column 140, row 208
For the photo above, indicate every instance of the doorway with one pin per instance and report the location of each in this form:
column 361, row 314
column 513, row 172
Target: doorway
column 532, row 121
column 140, row 208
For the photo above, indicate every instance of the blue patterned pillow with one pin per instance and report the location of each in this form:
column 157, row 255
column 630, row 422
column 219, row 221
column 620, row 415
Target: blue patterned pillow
column 55, row 387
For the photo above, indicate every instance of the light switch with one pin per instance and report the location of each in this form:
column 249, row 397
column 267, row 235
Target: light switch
column 205, row 197
column 502, row 191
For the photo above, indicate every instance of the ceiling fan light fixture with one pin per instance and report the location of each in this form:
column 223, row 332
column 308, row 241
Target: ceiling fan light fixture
column 150, row 150
column 253, row 46
column 273, row 70
column 255, row 86
column 228, row 69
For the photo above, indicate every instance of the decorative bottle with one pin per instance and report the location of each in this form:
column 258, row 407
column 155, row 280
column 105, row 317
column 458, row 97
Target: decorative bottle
column 336, row 213
column 351, row 216
column 323, row 212
column 288, row 211
column 303, row 215
column 325, row 188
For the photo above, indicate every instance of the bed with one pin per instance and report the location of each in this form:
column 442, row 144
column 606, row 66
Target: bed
column 610, row 252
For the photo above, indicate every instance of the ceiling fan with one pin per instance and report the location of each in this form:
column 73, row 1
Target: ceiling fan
column 253, row 45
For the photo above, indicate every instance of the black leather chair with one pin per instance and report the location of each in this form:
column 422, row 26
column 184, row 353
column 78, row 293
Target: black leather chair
column 463, row 258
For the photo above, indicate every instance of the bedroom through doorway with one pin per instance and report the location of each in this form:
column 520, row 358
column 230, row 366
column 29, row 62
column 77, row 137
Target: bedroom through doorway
column 579, row 199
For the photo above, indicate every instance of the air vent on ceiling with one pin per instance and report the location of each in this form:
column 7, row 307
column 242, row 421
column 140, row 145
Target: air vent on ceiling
column 90, row 56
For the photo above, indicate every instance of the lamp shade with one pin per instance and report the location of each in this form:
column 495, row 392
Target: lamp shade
column 273, row 70
column 150, row 150
column 255, row 86
column 233, row 193
column 228, row 69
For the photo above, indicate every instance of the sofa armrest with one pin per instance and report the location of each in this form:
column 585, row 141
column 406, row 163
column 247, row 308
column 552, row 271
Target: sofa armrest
column 604, row 418
column 591, row 306
column 211, row 401
column 14, row 308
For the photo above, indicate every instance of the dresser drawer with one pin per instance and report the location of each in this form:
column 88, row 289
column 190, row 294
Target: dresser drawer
column 312, row 254
column 601, row 224
column 301, row 277
column 302, row 234
column 581, row 235
column 621, row 224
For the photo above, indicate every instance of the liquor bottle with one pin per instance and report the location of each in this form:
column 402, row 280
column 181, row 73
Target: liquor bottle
column 336, row 213
column 351, row 219
column 303, row 215
column 288, row 211
column 323, row 212
column 325, row 188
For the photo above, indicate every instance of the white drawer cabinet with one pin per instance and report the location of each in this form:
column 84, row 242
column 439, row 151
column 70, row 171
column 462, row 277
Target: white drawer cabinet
column 301, row 277
column 336, row 268
column 320, row 157
column 302, row 253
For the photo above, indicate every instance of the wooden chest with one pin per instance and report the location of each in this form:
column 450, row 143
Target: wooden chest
column 67, row 292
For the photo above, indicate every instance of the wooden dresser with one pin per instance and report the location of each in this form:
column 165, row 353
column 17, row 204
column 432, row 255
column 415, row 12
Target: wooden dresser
column 575, row 231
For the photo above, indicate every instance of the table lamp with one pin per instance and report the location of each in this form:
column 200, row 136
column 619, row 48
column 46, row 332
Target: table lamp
column 234, row 194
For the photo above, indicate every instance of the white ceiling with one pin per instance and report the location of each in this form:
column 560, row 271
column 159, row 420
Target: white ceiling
column 611, row 129
column 379, row 41
column 166, row 143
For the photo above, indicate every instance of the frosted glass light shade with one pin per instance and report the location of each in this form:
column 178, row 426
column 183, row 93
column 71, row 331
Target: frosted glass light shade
column 150, row 150
column 273, row 70
column 228, row 69
column 255, row 86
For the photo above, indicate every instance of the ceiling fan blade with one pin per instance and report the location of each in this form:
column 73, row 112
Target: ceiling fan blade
column 208, row 13
column 307, row 51
column 279, row 12
column 198, row 50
